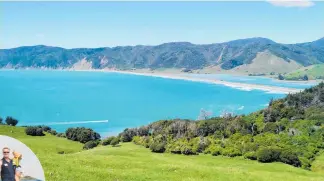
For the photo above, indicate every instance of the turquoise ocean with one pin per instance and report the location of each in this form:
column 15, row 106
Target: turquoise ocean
column 111, row 102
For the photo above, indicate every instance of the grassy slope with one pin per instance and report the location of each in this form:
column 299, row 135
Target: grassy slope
column 312, row 72
column 132, row 162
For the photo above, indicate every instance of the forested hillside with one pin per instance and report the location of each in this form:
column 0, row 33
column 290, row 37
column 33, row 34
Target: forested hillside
column 169, row 55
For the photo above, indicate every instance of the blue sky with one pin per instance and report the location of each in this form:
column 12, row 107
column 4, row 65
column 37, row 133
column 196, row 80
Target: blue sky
column 101, row 24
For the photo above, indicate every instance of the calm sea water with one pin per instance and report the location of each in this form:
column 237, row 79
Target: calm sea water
column 69, row 99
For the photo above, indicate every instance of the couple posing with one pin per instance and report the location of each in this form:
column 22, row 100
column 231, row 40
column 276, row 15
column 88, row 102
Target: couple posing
column 9, row 168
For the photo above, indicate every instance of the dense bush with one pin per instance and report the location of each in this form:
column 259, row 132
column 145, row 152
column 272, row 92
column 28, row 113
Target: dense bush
column 90, row 144
column 231, row 152
column 213, row 149
column 34, row 131
column 289, row 130
column 268, row 154
column 11, row 121
column 108, row 140
column 62, row 135
column 52, row 132
column 81, row 134
column 157, row 147
column 290, row 157
column 114, row 141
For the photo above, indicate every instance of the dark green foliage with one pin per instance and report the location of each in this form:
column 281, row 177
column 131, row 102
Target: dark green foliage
column 114, row 141
column 108, row 140
column 271, row 127
column 290, row 157
column 90, row 144
column 34, row 131
column 280, row 77
column 81, row 134
column 305, row 78
column 52, row 132
column 46, row 128
column 1, row 120
column 11, row 121
column 157, row 147
column 62, row 135
column 268, row 154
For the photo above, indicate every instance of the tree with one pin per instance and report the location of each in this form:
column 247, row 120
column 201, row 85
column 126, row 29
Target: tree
column 269, row 154
column 34, row 131
column 281, row 77
column 108, row 140
column 90, row 144
column 81, row 134
column 305, row 77
column 114, row 141
column 11, row 121
column 1, row 120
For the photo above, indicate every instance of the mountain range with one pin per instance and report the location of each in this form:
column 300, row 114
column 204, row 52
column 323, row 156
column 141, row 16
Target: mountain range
column 182, row 55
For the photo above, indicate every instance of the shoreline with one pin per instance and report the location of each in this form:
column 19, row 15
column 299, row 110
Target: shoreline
column 182, row 76
column 235, row 85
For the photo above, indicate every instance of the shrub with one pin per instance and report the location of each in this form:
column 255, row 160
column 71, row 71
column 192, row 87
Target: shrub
column 108, row 140
column 1, row 120
column 250, row 155
column 290, row 157
column 127, row 135
column 231, row 152
column 34, row 131
column 157, row 147
column 90, row 144
column 11, row 121
column 214, row 149
column 200, row 144
column 46, row 128
column 52, row 132
column 187, row 150
column 62, row 135
column 137, row 140
column 268, row 154
column 114, row 141
column 81, row 134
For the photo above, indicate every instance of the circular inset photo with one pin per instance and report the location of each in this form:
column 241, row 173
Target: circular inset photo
column 18, row 162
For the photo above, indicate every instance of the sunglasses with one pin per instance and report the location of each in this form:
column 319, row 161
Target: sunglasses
column 5, row 152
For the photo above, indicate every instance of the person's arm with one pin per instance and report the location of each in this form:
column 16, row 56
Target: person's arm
column 0, row 165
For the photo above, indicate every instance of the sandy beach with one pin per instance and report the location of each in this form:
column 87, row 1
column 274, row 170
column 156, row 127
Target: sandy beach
column 182, row 76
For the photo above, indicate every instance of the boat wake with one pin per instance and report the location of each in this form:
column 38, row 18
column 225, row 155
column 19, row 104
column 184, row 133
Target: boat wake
column 72, row 122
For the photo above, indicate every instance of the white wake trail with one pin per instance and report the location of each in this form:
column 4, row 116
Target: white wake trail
column 72, row 122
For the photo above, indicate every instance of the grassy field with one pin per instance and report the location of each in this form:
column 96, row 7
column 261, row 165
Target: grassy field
column 132, row 162
column 312, row 72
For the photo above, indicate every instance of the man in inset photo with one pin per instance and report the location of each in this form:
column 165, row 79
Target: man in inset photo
column 7, row 169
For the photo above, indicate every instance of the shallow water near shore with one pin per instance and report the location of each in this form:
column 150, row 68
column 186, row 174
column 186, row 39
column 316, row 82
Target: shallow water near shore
column 110, row 102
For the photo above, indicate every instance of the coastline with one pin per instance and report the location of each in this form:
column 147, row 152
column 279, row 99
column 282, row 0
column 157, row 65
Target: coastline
column 236, row 85
column 183, row 76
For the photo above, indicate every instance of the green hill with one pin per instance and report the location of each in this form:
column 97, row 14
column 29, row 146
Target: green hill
column 133, row 162
column 179, row 55
column 313, row 72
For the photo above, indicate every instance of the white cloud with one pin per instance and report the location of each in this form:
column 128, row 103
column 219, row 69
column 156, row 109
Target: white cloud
column 291, row 3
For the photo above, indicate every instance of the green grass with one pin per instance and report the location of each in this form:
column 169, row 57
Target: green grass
column 133, row 162
column 312, row 72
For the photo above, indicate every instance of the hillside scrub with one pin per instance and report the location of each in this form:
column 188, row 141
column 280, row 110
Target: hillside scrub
column 289, row 130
